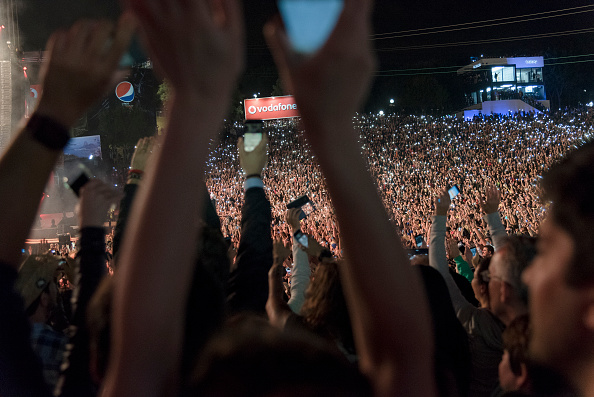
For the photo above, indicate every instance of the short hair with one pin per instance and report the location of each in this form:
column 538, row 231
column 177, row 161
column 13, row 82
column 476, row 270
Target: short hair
column 515, row 340
column 569, row 185
column 249, row 357
column 519, row 251
column 490, row 249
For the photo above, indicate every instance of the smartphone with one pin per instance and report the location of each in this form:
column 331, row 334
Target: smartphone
column 419, row 241
column 253, row 134
column 303, row 202
column 309, row 23
column 288, row 270
column 417, row 251
column 473, row 250
column 77, row 183
column 453, row 191
column 301, row 238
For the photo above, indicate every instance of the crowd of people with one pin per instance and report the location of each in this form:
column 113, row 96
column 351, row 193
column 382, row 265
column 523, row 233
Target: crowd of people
column 412, row 158
column 218, row 289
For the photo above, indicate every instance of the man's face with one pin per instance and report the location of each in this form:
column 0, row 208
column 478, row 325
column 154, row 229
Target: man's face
column 486, row 252
column 555, row 307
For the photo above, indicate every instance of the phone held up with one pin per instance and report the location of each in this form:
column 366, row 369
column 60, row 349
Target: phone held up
column 453, row 191
column 77, row 183
column 309, row 23
column 253, row 134
column 419, row 241
column 301, row 238
column 303, row 202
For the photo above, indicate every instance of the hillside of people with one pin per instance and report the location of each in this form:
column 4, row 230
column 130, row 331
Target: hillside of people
column 411, row 158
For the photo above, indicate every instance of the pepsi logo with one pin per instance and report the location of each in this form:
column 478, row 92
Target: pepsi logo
column 125, row 92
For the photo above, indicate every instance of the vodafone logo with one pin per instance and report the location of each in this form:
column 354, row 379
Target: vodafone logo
column 270, row 108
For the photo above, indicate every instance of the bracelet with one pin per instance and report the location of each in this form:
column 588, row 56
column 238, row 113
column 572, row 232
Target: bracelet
column 48, row 132
column 139, row 172
column 324, row 254
column 253, row 176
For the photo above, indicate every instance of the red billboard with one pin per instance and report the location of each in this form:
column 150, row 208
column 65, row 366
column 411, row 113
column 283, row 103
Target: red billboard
column 280, row 107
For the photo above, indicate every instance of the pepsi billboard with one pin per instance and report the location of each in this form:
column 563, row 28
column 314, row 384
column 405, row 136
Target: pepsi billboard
column 125, row 92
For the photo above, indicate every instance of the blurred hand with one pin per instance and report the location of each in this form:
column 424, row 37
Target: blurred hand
column 334, row 81
column 442, row 203
column 255, row 161
column 492, row 200
column 82, row 63
column 313, row 247
column 198, row 45
column 292, row 217
column 144, row 149
column 452, row 247
column 280, row 252
column 96, row 198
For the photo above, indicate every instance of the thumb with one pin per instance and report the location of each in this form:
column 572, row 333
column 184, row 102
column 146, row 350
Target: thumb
column 280, row 47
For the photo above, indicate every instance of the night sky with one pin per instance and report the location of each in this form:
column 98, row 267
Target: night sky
column 397, row 55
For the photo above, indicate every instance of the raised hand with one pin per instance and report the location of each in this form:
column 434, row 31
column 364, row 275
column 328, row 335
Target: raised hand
column 144, row 149
column 280, row 252
column 198, row 45
column 81, row 65
column 253, row 162
column 292, row 217
column 333, row 81
column 492, row 199
column 442, row 203
column 96, row 197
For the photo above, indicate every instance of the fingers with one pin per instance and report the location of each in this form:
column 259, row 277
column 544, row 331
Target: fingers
column 280, row 47
column 123, row 34
column 233, row 16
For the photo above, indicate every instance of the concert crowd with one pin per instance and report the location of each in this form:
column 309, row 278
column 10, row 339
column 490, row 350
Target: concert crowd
column 227, row 288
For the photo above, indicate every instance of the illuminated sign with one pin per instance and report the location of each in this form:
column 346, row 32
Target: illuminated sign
column 270, row 108
column 478, row 65
column 125, row 92
column 526, row 62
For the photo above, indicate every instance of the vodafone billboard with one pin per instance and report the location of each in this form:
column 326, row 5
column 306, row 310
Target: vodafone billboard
column 279, row 107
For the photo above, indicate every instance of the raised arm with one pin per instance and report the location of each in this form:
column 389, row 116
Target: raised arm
column 201, row 55
column 329, row 87
column 144, row 149
column 80, row 66
column 491, row 208
column 301, row 273
column 437, row 251
column 248, row 281
column 96, row 198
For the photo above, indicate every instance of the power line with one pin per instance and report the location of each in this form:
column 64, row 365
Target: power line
column 566, row 63
column 465, row 25
column 378, row 35
column 426, row 71
column 488, row 41
column 571, row 56
column 482, row 26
